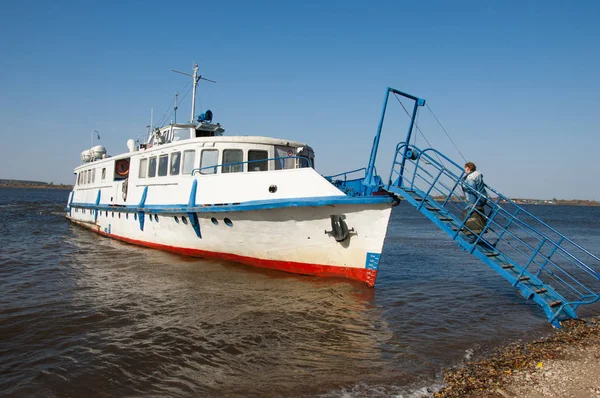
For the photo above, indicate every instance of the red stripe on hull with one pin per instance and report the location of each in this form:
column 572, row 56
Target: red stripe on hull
column 365, row 275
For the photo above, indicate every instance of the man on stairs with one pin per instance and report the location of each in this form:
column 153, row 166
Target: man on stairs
column 476, row 197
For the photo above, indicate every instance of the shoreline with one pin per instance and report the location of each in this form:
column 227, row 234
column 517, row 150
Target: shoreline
column 564, row 363
column 24, row 186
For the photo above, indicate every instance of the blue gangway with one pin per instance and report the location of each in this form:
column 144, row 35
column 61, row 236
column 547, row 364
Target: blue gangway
column 546, row 266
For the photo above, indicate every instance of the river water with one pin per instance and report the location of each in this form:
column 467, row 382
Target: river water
column 83, row 315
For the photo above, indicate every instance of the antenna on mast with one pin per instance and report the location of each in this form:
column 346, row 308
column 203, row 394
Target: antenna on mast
column 176, row 107
column 196, row 78
column 97, row 134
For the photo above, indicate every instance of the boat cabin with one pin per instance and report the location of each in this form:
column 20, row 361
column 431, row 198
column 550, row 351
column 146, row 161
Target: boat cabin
column 181, row 150
column 180, row 132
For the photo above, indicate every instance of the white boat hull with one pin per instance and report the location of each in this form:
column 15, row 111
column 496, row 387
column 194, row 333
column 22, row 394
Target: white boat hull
column 291, row 238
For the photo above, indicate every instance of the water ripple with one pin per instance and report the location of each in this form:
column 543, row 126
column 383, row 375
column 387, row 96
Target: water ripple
column 82, row 315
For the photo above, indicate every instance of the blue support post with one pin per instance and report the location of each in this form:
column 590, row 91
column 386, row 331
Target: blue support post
column 141, row 205
column 418, row 102
column 192, row 215
column 70, row 203
column 368, row 181
column 97, row 203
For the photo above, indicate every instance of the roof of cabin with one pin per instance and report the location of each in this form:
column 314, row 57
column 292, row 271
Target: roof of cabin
column 216, row 139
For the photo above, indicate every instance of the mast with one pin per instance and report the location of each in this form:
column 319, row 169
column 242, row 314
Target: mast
column 195, row 79
column 194, row 93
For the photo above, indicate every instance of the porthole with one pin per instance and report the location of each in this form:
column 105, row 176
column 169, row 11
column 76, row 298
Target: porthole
column 119, row 215
column 273, row 188
column 156, row 217
column 150, row 217
column 113, row 214
column 184, row 220
column 214, row 221
column 135, row 216
column 106, row 213
column 176, row 219
column 127, row 216
column 228, row 222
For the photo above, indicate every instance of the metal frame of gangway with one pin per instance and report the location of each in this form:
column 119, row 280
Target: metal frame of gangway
column 542, row 263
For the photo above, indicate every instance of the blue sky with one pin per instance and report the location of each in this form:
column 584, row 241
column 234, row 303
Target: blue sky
column 515, row 83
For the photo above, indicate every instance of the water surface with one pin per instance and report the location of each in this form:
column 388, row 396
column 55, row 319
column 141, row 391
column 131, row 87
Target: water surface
column 83, row 315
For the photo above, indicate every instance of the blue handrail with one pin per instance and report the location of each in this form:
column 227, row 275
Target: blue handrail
column 345, row 174
column 198, row 170
column 543, row 262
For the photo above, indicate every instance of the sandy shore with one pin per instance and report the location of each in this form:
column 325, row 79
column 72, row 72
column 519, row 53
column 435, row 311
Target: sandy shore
column 564, row 364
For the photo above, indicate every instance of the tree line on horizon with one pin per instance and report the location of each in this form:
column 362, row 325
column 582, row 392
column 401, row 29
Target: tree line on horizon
column 28, row 183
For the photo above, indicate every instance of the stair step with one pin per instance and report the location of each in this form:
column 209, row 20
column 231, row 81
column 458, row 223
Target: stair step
column 433, row 208
column 446, row 219
column 418, row 198
column 466, row 232
column 493, row 254
column 523, row 278
column 508, row 266
column 555, row 303
column 542, row 290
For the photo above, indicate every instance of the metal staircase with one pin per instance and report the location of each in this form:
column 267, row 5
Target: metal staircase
column 543, row 264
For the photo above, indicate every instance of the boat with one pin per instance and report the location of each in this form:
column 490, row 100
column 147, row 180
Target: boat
column 193, row 190
column 190, row 189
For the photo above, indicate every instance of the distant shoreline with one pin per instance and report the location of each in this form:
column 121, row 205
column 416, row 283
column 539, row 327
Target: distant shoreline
column 27, row 186
column 574, row 202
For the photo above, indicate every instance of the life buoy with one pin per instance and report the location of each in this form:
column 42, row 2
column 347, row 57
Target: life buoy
column 122, row 167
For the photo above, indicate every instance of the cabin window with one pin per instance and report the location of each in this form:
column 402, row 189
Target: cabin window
column 163, row 165
column 103, row 174
column 143, row 168
column 257, row 160
column 93, row 176
column 152, row 167
column 89, row 176
column 189, row 157
column 303, row 161
column 78, row 178
column 181, row 134
column 233, row 156
column 284, row 158
column 175, row 161
column 209, row 157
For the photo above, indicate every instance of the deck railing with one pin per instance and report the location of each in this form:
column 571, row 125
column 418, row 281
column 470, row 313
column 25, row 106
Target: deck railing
column 302, row 160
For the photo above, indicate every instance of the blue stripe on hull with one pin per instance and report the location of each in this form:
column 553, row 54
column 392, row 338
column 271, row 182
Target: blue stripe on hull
column 247, row 206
